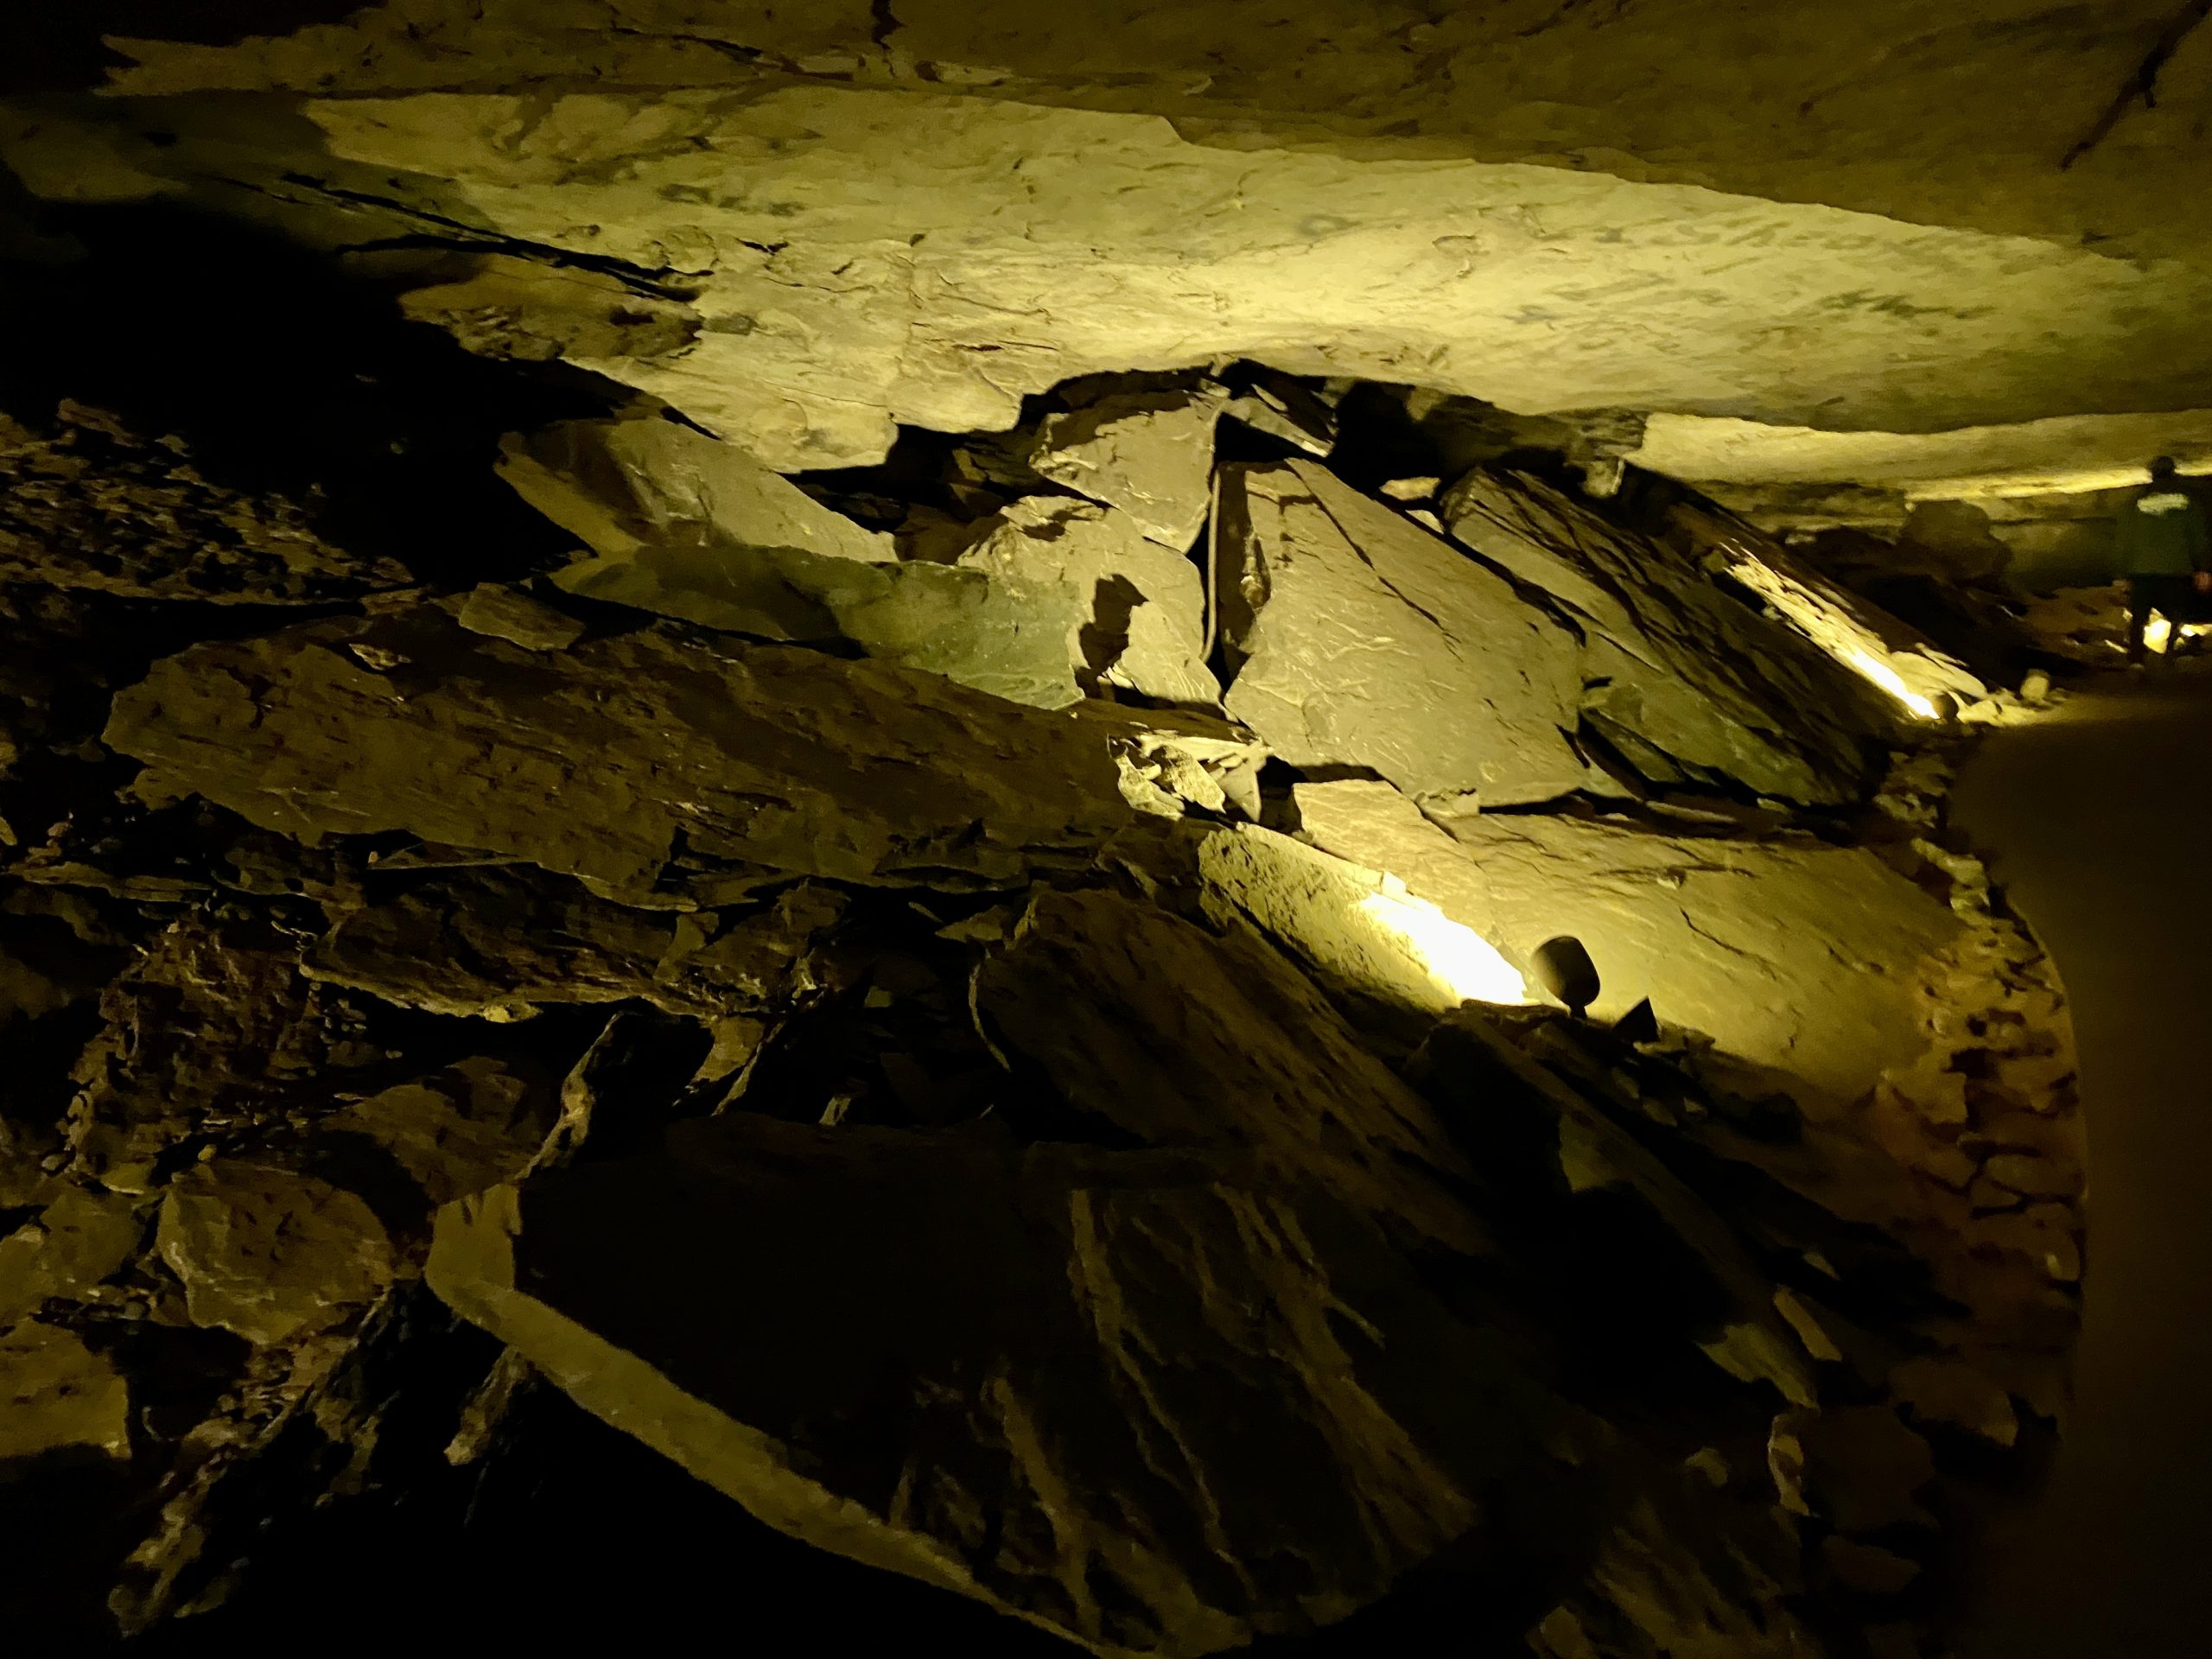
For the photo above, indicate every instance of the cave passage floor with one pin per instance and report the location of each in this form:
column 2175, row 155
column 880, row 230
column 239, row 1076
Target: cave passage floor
column 2097, row 821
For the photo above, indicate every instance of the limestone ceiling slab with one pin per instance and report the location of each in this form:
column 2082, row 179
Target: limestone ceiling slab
column 855, row 259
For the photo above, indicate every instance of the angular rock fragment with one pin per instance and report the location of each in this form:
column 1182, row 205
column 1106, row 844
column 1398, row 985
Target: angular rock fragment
column 506, row 613
column 1172, row 760
column 1857, row 1467
column 1364, row 640
column 624, row 485
column 687, row 526
column 497, row 943
column 1128, row 1396
column 1684, row 681
column 1888, row 653
column 1711, row 930
column 83, row 1237
column 213, row 1027
column 1143, row 606
column 624, row 760
column 1148, row 453
column 456, row 1132
column 95, row 506
column 1182, row 1037
column 56, row 1396
column 269, row 1253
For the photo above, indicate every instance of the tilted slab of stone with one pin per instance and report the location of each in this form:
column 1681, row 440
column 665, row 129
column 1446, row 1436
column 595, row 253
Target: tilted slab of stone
column 1799, row 959
column 458, row 1131
column 686, row 526
column 497, row 943
column 619, row 757
column 1143, row 605
column 1364, row 640
column 1184, row 1038
column 622, row 485
column 1130, row 1396
column 1674, row 665
column 1879, row 648
column 1149, row 453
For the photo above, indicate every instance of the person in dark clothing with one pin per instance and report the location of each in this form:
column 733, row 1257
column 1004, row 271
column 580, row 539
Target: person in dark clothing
column 2164, row 544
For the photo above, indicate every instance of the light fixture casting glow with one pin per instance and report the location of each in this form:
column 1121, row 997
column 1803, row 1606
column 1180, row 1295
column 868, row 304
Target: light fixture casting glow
column 1870, row 667
column 1457, row 957
column 2160, row 636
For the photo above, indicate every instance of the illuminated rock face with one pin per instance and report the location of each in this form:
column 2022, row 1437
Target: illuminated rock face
column 939, row 930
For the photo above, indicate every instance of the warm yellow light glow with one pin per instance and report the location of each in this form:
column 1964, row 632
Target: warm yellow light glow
column 1855, row 646
column 1459, row 959
column 1868, row 666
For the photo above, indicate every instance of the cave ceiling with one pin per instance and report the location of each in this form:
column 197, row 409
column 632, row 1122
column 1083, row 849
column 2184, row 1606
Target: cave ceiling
column 804, row 227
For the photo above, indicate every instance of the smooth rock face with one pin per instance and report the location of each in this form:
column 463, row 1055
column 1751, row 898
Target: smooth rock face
column 57, row 1395
column 269, row 1253
column 1139, row 1401
column 1710, row 930
column 1144, row 607
column 623, row 758
column 1364, row 640
column 1683, row 678
column 1151, row 455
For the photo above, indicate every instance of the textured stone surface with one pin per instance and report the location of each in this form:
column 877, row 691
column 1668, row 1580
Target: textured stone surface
column 1681, row 676
column 1151, row 455
column 506, row 613
column 456, row 1132
column 688, row 526
column 1143, row 607
column 269, row 1253
column 624, row 485
column 56, row 1396
column 1182, row 1037
column 1710, row 929
column 1364, row 640
column 497, row 943
column 624, row 754
column 1140, row 1401
column 838, row 195
column 83, row 1237
column 93, row 506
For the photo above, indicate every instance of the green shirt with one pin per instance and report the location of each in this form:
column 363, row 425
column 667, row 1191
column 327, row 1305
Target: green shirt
column 2164, row 533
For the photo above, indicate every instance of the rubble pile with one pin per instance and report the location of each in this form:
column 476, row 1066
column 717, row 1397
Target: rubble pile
column 988, row 1007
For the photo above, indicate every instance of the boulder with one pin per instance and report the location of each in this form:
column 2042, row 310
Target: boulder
column 685, row 526
column 83, row 1237
column 457, row 1131
column 1359, row 638
column 268, row 1252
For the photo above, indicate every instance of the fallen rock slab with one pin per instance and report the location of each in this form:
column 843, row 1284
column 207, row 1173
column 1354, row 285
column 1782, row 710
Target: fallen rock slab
column 1359, row 638
column 1712, row 930
column 1126, row 1396
column 622, row 756
column 1150, row 454
column 56, row 1396
column 1686, row 683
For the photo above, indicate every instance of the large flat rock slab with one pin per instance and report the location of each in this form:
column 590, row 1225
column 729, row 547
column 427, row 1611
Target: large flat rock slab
column 623, row 755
